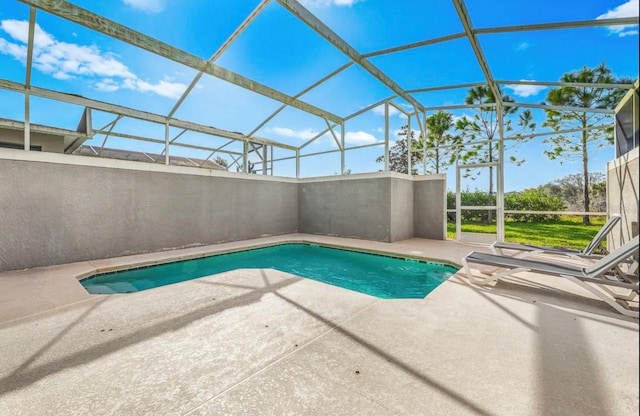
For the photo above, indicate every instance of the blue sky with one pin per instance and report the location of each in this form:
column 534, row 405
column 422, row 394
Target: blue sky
column 283, row 53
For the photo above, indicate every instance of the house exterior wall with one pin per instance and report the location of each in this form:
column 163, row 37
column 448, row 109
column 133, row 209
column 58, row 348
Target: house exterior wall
column 623, row 189
column 48, row 143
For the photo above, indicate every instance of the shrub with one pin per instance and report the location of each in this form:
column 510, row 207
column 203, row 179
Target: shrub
column 534, row 199
column 527, row 200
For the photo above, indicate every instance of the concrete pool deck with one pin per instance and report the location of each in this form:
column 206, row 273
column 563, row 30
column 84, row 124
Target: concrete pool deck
column 267, row 342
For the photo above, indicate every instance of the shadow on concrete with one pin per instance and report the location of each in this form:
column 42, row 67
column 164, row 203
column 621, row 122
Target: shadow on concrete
column 230, row 285
column 566, row 367
column 55, row 339
column 20, row 378
column 528, row 291
column 424, row 379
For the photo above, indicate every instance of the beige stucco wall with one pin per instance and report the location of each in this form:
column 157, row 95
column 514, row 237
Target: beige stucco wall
column 49, row 143
column 622, row 196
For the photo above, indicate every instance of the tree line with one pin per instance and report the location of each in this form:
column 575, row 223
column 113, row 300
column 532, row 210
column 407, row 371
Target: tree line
column 473, row 139
column 564, row 194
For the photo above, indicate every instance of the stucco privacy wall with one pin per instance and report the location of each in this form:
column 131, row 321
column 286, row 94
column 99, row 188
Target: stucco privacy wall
column 623, row 190
column 52, row 213
column 429, row 207
column 402, row 195
column 354, row 207
column 380, row 207
column 57, row 208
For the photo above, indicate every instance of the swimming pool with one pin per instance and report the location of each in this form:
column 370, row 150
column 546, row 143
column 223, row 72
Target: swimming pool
column 381, row 276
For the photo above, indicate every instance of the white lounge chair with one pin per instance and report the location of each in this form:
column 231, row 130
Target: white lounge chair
column 525, row 250
column 582, row 275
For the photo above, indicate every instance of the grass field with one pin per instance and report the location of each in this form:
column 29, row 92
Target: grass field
column 568, row 232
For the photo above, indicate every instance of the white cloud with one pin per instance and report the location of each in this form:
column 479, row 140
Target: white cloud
column 522, row 46
column 17, row 51
column 164, row 88
column 628, row 32
column 151, row 6
column 525, row 90
column 358, row 138
column 354, row 138
column 63, row 60
column 107, row 85
column 19, row 30
column 379, row 110
column 328, row 3
column 628, row 9
column 304, row 134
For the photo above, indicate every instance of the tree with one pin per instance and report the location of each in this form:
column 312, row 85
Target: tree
column 576, row 146
column 570, row 189
column 483, row 126
column 439, row 128
column 398, row 153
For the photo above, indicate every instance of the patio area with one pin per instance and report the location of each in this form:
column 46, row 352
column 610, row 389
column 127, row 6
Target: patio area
column 263, row 341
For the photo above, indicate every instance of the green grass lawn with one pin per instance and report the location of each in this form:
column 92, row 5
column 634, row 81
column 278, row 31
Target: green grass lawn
column 568, row 232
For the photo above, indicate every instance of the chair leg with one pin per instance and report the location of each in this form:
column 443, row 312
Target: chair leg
column 487, row 278
column 602, row 296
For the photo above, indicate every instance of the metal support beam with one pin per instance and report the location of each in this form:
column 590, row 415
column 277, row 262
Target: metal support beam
column 324, row 152
column 500, row 179
column 264, row 159
column 86, row 18
column 560, row 25
column 386, row 136
column 138, row 114
column 106, row 126
column 27, row 83
column 342, row 150
column 553, row 133
column 463, row 14
column 567, row 84
column 166, row 144
column 219, row 52
column 271, row 160
column 162, row 142
column 107, row 133
column 560, row 108
column 316, row 137
column 414, row 45
column 409, row 161
column 297, row 163
column 422, row 134
column 333, row 134
column 177, row 136
column 301, row 93
column 449, row 87
column 461, row 106
column 369, row 107
column 323, row 30
column 218, row 149
column 245, row 157
column 424, row 149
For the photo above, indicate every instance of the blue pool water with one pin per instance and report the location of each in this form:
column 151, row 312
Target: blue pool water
column 381, row 276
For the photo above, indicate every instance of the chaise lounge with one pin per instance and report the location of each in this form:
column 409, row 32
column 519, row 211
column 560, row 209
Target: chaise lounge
column 595, row 246
column 594, row 278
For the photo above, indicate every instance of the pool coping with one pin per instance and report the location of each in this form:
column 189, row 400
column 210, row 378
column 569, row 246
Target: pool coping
column 50, row 288
column 146, row 264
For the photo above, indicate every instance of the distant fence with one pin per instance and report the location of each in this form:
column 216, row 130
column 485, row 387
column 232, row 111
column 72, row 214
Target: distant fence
column 578, row 213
